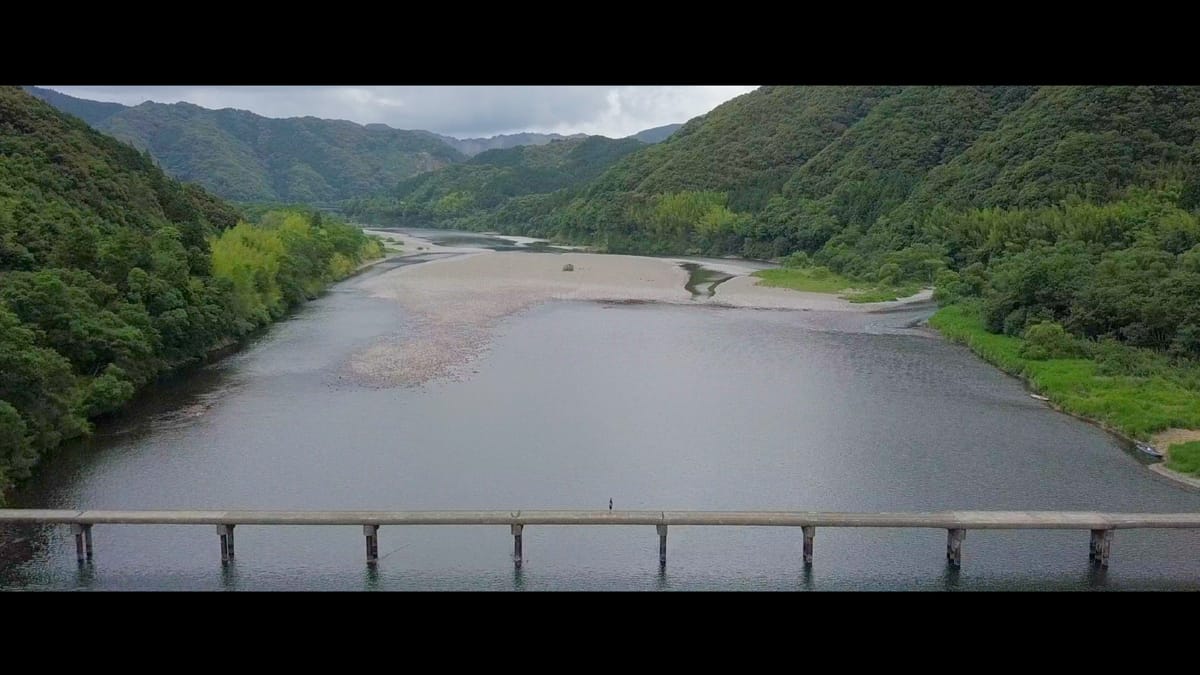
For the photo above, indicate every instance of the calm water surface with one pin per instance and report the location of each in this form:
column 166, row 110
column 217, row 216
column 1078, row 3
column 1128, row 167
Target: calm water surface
column 654, row 406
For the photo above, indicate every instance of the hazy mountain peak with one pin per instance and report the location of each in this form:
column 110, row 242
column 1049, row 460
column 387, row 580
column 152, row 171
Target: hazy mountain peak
column 92, row 112
column 656, row 134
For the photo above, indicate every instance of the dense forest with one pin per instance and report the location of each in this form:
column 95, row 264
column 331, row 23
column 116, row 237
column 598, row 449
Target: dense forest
column 246, row 157
column 111, row 274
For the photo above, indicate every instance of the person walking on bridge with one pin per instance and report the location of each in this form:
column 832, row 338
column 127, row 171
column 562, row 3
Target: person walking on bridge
column 610, row 503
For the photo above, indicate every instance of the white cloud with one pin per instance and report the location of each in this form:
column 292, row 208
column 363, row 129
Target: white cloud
column 455, row 111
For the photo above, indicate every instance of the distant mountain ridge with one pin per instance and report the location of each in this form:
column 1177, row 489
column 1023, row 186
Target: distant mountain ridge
column 473, row 146
column 247, row 157
column 92, row 112
column 657, row 134
column 459, row 195
column 243, row 156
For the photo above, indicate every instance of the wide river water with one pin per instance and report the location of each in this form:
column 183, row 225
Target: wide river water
column 654, row 406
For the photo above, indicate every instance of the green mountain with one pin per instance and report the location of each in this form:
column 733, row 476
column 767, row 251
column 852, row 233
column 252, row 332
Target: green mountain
column 111, row 273
column 468, row 194
column 1089, row 142
column 92, row 112
column 746, row 147
column 874, row 166
column 246, row 157
column 787, row 169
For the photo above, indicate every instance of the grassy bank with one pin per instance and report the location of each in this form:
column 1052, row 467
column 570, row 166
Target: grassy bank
column 822, row 280
column 1129, row 390
column 1185, row 458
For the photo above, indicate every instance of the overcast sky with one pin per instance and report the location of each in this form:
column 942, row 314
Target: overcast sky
column 455, row 111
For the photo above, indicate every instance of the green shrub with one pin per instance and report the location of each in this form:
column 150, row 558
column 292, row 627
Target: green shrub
column 797, row 259
column 948, row 286
column 1115, row 358
column 108, row 392
column 889, row 273
column 1048, row 340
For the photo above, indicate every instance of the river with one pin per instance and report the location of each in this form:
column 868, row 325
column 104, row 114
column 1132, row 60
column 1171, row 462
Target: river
column 655, row 406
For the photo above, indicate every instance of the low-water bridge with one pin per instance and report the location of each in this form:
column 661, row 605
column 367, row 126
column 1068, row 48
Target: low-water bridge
column 956, row 523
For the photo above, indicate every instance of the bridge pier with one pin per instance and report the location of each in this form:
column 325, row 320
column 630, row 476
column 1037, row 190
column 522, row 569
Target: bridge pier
column 226, row 533
column 954, row 539
column 83, row 541
column 1100, row 546
column 372, row 534
column 809, row 532
column 662, row 545
column 518, row 554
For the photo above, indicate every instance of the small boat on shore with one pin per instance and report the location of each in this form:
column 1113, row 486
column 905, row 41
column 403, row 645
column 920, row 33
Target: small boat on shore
column 1149, row 450
column 1039, row 397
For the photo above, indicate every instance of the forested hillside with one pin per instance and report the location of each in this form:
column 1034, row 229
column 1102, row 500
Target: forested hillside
column 111, row 273
column 469, row 195
column 246, row 157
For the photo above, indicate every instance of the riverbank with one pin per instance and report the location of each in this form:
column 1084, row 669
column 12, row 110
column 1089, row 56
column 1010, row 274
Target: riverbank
column 456, row 301
column 1151, row 407
column 822, row 280
column 413, row 245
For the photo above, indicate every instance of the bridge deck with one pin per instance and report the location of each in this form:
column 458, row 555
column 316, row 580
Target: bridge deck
column 972, row 520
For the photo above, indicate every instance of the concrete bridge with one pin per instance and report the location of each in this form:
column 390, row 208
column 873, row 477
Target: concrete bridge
column 956, row 523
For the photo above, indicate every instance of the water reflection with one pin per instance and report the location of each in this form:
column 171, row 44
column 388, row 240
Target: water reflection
column 229, row 576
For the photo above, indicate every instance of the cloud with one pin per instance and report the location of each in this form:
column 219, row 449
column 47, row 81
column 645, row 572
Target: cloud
column 454, row 111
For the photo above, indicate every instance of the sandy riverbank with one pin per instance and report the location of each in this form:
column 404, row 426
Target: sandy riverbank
column 418, row 246
column 458, row 300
